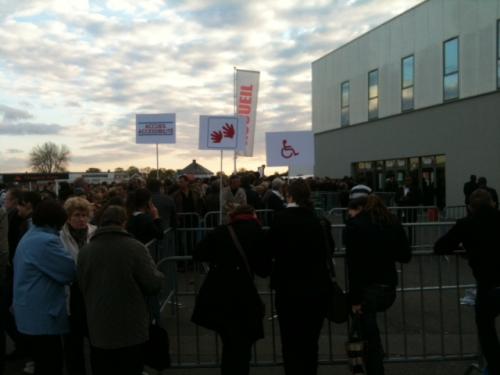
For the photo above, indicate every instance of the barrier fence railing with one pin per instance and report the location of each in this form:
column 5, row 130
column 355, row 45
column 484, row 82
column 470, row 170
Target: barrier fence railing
column 426, row 323
column 413, row 214
column 328, row 199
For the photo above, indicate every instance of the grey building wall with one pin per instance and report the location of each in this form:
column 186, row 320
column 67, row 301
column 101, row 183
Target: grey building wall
column 421, row 32
column 466, row 131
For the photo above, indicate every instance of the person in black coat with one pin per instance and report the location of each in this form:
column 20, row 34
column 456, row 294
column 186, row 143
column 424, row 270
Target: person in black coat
column 164, row 203
column 409, row 196
column 228, row 302
column 469, row 188
column 478, row 235
column 274, row 198
column 374, row 241
column 482, row 183
column 301, row 279
column 144, row 221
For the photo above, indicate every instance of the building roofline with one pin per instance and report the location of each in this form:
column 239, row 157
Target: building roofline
column 370, row 31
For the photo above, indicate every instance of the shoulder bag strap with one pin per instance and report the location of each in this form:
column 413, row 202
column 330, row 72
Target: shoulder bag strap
column 240, row 250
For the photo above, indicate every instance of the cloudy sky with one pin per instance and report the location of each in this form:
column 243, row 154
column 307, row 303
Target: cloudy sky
column 75, row 72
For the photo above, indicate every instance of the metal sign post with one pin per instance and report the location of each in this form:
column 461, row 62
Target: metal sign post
column 157, row 164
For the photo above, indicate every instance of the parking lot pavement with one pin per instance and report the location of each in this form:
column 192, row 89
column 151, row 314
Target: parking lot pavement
column 435, row 368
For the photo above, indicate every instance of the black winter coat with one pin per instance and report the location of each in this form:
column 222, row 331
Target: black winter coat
column 227, row 300
column 371, row 252
column 299, row 248
column 144, row 228
column 479, row 235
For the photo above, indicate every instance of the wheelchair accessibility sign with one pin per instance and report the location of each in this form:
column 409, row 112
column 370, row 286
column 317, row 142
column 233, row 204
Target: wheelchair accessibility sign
column 290, row 149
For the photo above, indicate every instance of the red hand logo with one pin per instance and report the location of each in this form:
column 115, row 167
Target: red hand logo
column 228, row 130
column 216, row 136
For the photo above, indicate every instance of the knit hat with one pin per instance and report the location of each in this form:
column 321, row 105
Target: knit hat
column 359, row 191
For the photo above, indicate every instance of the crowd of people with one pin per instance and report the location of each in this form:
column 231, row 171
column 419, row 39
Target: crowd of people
column 75, row 268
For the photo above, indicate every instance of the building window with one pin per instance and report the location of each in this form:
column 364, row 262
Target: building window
column 344, row 103
column 407, row 83
column 373, row 95
column 498, row 54
column 450, row 69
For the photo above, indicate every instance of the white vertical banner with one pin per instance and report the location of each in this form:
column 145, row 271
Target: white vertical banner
column 246, row 93
column 222, row 133
column 290, row 149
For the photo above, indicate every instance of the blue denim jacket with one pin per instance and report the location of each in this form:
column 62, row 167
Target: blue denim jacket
column 42, row 267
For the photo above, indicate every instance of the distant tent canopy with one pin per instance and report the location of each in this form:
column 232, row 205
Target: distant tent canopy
column 196, row 170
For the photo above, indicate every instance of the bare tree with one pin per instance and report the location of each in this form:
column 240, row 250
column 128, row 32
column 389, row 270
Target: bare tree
column 49, row 158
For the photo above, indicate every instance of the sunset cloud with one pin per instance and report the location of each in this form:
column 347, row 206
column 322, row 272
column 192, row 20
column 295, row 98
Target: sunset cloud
column 87, row 67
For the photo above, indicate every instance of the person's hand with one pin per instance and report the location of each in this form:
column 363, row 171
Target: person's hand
column 356, row 309
column 153, row 211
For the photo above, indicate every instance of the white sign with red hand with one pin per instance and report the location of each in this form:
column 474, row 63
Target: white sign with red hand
column 222, row 133
column 290, row 148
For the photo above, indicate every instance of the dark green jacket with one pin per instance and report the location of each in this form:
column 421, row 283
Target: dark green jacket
column 115, row 273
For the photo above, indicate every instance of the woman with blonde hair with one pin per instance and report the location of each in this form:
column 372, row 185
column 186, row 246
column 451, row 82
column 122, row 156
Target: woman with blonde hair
column 76, row 233
column 77, row 230
column 374, row 241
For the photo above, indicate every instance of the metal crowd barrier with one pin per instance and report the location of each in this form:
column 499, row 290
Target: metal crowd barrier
column 413, row 214
column 453, row 212
column 326, row 200
column 211, row 218
column 426, row 323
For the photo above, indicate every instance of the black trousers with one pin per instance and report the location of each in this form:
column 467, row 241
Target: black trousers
column 123, row 361
column 487, row 309
column 47, row 351
column 236, row 353
column 376, row 298
column 74, row 353
column 300, row 320
column 9, row 323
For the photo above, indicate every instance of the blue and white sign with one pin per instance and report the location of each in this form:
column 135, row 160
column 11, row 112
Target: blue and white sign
column 156, row 128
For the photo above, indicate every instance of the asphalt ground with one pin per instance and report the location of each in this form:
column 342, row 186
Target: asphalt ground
column 425, row 325
column 426, row 329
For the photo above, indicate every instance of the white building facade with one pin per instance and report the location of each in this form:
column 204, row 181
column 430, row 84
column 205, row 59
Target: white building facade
column 418, row 95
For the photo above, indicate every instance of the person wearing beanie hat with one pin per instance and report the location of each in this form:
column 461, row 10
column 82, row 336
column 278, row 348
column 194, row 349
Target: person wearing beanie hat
column 360, row 190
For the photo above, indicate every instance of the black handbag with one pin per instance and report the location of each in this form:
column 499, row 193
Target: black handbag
column 211, row 296
column 206, row 311
column 157, row 350
column 355, row 348
column 338, row 304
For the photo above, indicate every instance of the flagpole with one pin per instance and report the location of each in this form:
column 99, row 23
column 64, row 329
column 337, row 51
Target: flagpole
column 220, row 187
column 157, row 164
column 235, row 110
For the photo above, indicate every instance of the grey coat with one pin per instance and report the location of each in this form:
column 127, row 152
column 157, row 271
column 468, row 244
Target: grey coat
column 115, row 273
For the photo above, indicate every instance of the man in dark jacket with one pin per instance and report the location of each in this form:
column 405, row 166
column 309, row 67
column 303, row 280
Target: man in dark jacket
column 164, row 203
column 482, row 183
column 115, row 273
column 274, row 199
column 469, row 188
column 478, row 235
